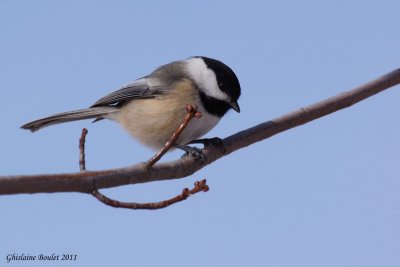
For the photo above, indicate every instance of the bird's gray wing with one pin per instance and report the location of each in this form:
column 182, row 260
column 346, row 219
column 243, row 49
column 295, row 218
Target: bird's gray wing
column 138, row 89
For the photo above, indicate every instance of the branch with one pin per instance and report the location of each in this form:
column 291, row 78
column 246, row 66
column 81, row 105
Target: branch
column 198, row 187
column 83, row 181
column 82, row 140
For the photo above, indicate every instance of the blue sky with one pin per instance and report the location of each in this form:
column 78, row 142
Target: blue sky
column 323, row 194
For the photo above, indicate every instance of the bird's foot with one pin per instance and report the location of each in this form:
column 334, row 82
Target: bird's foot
column 194, row 152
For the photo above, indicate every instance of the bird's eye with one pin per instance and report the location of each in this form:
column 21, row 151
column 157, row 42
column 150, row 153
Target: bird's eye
column 220, row 84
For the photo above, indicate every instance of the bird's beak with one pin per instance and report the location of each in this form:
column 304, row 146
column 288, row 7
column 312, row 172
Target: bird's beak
column 235, row 106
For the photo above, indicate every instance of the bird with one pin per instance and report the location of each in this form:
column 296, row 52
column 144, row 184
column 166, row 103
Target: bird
column 152, row 108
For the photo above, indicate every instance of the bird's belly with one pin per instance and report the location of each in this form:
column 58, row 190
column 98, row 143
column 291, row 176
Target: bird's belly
column 153, row 122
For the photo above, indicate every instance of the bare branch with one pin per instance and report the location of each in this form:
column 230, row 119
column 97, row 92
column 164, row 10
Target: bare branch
column 198, row 187
column 83, row 181
column 82, row 161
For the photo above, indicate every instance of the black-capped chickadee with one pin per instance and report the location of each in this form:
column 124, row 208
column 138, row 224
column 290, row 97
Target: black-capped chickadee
column 152, row 108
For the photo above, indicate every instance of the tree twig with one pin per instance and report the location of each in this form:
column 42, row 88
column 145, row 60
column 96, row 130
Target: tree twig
column 83, row 181
column 82, row 140
column 191, row 113
column 199, row 186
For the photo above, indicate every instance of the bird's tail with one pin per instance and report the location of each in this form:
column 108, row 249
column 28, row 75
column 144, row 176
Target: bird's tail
column 75, row 115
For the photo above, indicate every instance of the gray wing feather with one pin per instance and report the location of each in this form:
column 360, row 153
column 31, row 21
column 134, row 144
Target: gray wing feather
column 146, row 87
column 138, row 89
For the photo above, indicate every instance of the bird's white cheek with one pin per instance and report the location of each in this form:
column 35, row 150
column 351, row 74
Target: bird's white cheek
column 205, row 78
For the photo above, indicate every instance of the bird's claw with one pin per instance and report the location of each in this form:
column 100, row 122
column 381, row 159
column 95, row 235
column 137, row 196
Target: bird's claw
column 194, row 152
